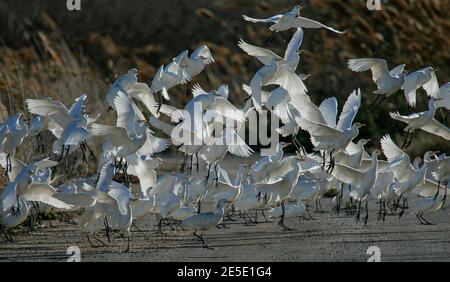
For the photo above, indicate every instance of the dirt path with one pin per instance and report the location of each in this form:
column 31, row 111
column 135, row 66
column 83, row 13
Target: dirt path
column 328, row 238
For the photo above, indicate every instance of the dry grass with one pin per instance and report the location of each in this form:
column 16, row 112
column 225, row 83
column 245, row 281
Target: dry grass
column 47, row 51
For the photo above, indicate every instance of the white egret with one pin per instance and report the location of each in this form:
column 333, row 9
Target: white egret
column 425, row 78
column 193, row 65
column 290, row 20
column 363, row 181
column 388, row 81
column 423, row 120
column 12, row 133
column 202, row 222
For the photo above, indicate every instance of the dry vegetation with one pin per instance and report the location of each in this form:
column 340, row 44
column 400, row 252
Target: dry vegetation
column 46, row 50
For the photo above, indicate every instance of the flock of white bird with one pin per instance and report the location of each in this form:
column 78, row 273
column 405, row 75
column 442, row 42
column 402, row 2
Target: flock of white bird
column 202, row 195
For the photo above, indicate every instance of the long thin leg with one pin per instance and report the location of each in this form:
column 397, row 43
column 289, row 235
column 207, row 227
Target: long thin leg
column 411, row 135
column 205, row 244
column 366, row 218
column 424, row 220
column 281, row 222
column 99, row 240
column 374, row 102
column 358, row 214
column 128, row 242
column 91, row 153
column 197, row 161
column 418, row 217
column 207, row 176
column 89, row 239
column 406, row 140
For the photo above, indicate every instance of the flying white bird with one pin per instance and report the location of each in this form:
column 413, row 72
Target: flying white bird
column 290, row 20
column 363, row 181
column 12, row 133
column 69, row 126
column 167, row 77
column 425, row 78
column 325, row 137
column 388, row 81
column 423, row 120
column 128, row 84
column 193, row 65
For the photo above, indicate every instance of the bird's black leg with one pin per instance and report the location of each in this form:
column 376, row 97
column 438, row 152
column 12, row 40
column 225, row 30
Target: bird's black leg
column 216, row 171
column 424, row 220
column 128, row 243
column 443, row 116
column 7, row 165
column 403, row 208
column 264, row 216
column 366, row 218
column 99, row 240
column 91, row 153
column 358, row 214
column 83, row 151
column 411, row 135
column 418, row 217
column 159, row 103
column 107, row 229
column 331, row 163
column 374, row 103
column 406, row 140
column 199, row 206
column 40, row 143
column 445, row 194
column 183, row 165
column 207, row 176
column 197, row 161
column 89, row 239
column 323, row 160
column 205, row 244
column 281, row 222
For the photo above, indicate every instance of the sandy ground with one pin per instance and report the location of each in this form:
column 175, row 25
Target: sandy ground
column 328, row 238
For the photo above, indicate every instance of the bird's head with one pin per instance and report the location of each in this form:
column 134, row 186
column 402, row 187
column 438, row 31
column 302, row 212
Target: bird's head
column 429, row 70
column 429, row 154
column 363, row 142
column 133, row 71
column 204, row 54
column 297, row 9
column 284, row 144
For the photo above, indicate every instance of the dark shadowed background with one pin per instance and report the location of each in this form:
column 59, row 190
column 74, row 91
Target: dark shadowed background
column 46, row 50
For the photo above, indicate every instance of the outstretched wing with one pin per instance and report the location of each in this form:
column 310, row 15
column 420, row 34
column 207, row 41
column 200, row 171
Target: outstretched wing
column 350, row 110
column 265, row 56
column 308, row 23
column 348, row 175
column 328, row 108
column 437, row 128
column 432, row 86
column 43, row 192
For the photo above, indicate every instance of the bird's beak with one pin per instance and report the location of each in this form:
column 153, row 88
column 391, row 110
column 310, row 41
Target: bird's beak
column 362, row 124
column 287, row 144
column 369, row 140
